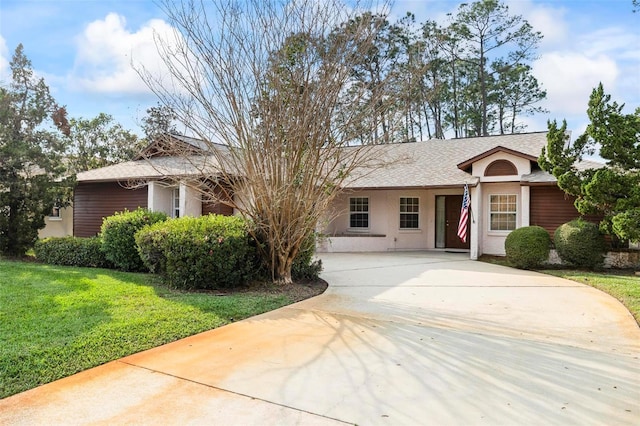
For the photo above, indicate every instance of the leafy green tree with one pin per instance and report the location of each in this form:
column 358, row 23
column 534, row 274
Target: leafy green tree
column 99, row 142
column 614, row 190
column 31, row 167
column 159, row 121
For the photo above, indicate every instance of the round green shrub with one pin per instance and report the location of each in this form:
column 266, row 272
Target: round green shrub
column 528, row 247
column 580, row 243
column 207, row 252
column 72, row 251
column 118, row 237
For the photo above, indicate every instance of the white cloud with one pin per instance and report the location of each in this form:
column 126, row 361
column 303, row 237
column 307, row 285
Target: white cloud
column 4, row 61
column 569, row 78
column 108, row 52
column 550, row 21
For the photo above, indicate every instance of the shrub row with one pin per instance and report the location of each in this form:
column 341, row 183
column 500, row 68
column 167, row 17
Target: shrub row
column 578, row 243
column 192, row 253
column 72, row 251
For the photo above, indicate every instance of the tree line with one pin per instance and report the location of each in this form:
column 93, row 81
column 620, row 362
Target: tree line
column 468, row 77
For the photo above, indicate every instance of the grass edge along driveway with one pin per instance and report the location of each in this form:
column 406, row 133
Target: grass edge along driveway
column 56, row 321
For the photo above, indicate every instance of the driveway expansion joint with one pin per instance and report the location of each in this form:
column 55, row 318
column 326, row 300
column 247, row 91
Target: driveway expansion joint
column 196, row 382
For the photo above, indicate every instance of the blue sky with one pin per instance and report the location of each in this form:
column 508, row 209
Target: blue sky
column 83, row 49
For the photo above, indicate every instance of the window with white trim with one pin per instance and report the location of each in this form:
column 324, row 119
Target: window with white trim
column 502, row 212
column 176, row 202
column 359, row 212
column 409, row 212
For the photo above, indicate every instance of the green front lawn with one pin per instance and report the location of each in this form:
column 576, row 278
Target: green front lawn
column 56, row 321
column 623, row 285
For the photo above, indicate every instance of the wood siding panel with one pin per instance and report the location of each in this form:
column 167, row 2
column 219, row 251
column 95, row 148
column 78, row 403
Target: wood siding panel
column 501, row 168
column 217, row 207
column 92, row 202
column 550, row 207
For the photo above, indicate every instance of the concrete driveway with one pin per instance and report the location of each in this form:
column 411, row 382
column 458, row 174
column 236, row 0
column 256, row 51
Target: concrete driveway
column 398, row 338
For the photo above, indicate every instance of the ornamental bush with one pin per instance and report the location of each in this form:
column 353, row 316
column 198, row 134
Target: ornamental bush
column 72, row 251
column 528, row 247
column 207, row 252
column 118, row 241
column 580, row 243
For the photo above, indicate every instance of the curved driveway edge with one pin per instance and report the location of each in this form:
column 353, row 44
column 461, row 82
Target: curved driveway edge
column 398, row 338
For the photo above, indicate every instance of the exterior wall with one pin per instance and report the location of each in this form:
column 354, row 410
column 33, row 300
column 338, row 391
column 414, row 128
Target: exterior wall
column 160, row 198
column 190, row 201
column 217, row 208
column 492, row 242
column 551, row 207
column 384, row 233
column 58, row 226
column 92, row 202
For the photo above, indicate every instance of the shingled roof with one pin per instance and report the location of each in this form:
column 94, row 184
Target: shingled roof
column 432, row 163
column 152, row 168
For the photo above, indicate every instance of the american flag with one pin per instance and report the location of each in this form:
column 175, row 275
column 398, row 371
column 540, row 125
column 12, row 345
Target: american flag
column 464, row 215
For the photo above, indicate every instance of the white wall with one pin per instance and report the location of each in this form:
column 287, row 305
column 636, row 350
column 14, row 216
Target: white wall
column 58, row 226
column 190, row 201
column 160, row 198
column 493, row 241
column 384, row 231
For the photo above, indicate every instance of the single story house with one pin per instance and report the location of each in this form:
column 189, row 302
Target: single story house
column 411, row 204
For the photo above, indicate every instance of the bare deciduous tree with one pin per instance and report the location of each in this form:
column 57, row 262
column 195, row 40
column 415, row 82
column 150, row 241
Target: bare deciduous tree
column 260, row 82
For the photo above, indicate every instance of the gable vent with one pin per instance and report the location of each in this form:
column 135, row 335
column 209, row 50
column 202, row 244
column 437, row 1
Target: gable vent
column 501, row 168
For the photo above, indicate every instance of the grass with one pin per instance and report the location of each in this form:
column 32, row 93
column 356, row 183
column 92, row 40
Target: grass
column 56, row 321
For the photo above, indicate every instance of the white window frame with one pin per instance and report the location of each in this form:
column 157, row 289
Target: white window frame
column 411, row 213
column 175, row 203
column 352, row 212
column 56, row 213
column 506, row 203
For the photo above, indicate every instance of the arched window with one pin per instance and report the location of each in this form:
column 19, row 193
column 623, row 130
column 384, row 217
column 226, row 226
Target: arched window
column 501, row 168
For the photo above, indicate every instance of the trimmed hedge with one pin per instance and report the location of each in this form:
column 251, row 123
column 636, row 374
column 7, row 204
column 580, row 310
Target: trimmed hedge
column 528, row 247
column 118, row 237
column 207, row 252
column 72, row 251
column 580, row 243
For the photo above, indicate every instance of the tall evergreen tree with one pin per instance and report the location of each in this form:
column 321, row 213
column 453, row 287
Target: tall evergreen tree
column 31, row 157
column 488, row 29
column 612, row 191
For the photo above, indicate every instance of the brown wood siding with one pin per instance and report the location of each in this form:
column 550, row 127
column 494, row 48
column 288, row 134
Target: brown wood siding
column 92, row 202
column 217, row 207
column 550, row 207
column 501, row 168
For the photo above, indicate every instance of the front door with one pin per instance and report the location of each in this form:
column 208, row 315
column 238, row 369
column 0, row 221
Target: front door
column 452, row 206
